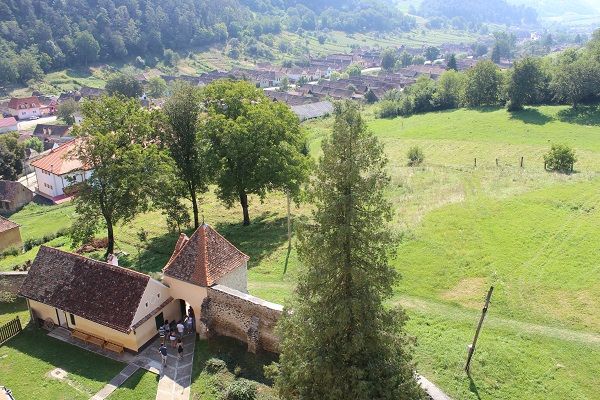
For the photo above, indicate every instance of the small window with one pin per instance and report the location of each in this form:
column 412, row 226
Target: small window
column 158, row 295
column 72, row 319
column 146, row 304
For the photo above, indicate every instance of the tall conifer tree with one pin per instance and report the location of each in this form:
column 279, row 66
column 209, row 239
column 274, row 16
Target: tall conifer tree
column 339, row 342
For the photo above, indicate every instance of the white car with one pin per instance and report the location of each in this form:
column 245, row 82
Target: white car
column 33, row 117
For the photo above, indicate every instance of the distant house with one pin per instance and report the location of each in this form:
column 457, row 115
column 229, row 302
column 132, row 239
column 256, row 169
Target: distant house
column 313, row 110
column 114, row 304
column 24, row 108
column 10, row 235
column 58, row 170
column 13, row 196
column 8, row 124
column 50, row 135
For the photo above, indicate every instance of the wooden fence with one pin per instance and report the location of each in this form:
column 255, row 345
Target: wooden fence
column 10, row 329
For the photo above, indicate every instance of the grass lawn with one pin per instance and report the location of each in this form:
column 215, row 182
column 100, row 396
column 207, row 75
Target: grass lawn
column 141, row 385
column 27, row 359
column 530, row 233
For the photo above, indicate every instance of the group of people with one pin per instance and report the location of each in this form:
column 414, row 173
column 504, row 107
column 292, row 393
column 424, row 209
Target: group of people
column 174, row 331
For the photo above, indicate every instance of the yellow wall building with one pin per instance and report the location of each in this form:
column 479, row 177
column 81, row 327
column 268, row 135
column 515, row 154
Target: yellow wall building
column 10, row 235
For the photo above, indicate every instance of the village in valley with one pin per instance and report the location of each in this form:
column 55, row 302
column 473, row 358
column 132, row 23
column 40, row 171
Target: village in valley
column 249, row 201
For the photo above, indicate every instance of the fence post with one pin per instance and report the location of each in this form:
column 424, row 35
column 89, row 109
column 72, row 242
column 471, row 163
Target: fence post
column 475, row 161
column 496, row 162
column 521, row 161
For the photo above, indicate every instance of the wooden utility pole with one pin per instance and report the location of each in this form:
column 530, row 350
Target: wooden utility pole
column 483, row 312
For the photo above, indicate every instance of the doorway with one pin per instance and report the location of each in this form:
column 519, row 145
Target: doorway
column 159, row 320
column 62, row 318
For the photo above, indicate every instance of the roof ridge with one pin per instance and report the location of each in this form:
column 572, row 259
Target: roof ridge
column 228, row 242
column 111, row 266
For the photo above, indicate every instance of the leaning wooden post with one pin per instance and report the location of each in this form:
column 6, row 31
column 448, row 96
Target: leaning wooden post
column 483, row 312
column 475, row 161
column 496, row 162
column 521, row 162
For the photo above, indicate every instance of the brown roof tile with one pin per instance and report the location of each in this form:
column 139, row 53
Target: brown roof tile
column 204, row 258
column 23, row 103
column 6, row 224
column 94, row 290
column 61, row 160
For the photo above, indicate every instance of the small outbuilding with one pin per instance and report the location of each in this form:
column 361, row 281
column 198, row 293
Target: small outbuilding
column 10, row 235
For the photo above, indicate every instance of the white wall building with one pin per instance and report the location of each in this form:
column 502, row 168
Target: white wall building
column 25, row 108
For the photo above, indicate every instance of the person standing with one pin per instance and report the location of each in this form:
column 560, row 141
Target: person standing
column 179, row 349
column 192, row 316
column 173, row 338
column 189, row 323
column 180, row 329
column 163, row 353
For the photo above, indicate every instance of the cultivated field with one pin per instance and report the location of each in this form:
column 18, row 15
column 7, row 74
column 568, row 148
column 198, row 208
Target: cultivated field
column 532, row 234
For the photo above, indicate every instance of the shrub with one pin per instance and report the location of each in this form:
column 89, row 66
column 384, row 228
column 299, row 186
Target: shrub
column 560, row 158
column 415, row 156
column 241, row 390
column 214, row 365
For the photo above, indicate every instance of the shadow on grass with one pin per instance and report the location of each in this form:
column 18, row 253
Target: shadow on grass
column 235, row 354
column 473, row 387
column 582, row 115
column 531, row 116
column 155, row 254
column 258, row 240
column 485, row 109
column 33, row 342
column 82, row 72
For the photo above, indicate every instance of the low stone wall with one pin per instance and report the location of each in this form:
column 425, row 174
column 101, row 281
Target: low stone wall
column 11, row 281
column 229, row 312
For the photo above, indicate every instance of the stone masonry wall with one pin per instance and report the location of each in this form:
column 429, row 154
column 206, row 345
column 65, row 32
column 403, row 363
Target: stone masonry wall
column 11, row 281
column 229, row 312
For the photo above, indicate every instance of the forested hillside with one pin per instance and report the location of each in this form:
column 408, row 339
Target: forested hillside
column 37, row 36
column 497, row 11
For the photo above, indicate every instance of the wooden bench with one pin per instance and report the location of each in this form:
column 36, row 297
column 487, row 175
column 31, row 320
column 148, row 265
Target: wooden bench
column 113, row 347
column 95, row 340
column 79, row 335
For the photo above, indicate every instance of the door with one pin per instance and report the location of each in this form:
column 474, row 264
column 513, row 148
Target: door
column 159, row 320
column 182, row 309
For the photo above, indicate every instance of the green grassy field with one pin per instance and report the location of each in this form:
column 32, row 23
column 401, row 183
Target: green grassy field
column 530, row 233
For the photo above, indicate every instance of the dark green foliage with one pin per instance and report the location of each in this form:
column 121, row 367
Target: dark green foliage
column 214, row 365
column 340, row 342
column 431, row 53
column 124, row 85
column 34, row 143
column 483, row 85
column 415, row 156
column 576, row 78
column 525, row 81
column 241, row 389
column 560, row 158
column 388, row 59
column 499, row 11
column 66, row 110
column 452, row 63
column 11, row 155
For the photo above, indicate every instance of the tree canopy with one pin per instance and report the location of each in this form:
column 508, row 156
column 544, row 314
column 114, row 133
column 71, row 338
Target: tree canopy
column 258, row 143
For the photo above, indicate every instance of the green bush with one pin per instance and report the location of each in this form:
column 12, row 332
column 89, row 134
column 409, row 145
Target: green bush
column 214, row 365
column 415, row 156
column 241, row 390
column 560, row 158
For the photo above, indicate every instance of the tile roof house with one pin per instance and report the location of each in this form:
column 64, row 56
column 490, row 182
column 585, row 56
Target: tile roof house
column 24, row 108
column 8, row 124
column 10, row 235
column 112, row 303
column 52, row 135
column 13, row 196
column 58, row 170
column 124, row 307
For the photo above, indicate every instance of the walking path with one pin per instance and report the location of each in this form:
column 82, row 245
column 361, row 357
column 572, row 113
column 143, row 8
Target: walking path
column 115, row 382
column 176, row 376
column 432, row 391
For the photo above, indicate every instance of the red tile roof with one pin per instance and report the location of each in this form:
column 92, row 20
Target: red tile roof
column 6, row 224
column 203, row 258
column 6, row 122
column 61, row 160
column 24, row 103
column 94, row 290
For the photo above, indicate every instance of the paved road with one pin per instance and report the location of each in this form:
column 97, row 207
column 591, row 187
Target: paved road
column 29, row 125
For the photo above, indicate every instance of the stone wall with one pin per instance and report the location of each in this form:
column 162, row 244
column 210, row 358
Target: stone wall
column 11, row 281
column 229, row 312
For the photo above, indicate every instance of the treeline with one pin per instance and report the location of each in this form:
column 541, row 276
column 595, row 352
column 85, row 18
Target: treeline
column 572, row 77
column 478, row 11
column 37, row 36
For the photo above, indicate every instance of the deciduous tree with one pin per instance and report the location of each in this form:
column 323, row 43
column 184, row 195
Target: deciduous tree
column 338, row 339
column 258, row 143
column 524, row 83
column 482, row 86
column 125, row 85
column 115, row 143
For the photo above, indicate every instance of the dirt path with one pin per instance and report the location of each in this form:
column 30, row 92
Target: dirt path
column 433, row 307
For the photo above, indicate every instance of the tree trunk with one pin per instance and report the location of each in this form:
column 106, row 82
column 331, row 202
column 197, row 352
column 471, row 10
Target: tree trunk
column 110, row 248
column 195, row 207
column 244, row 203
